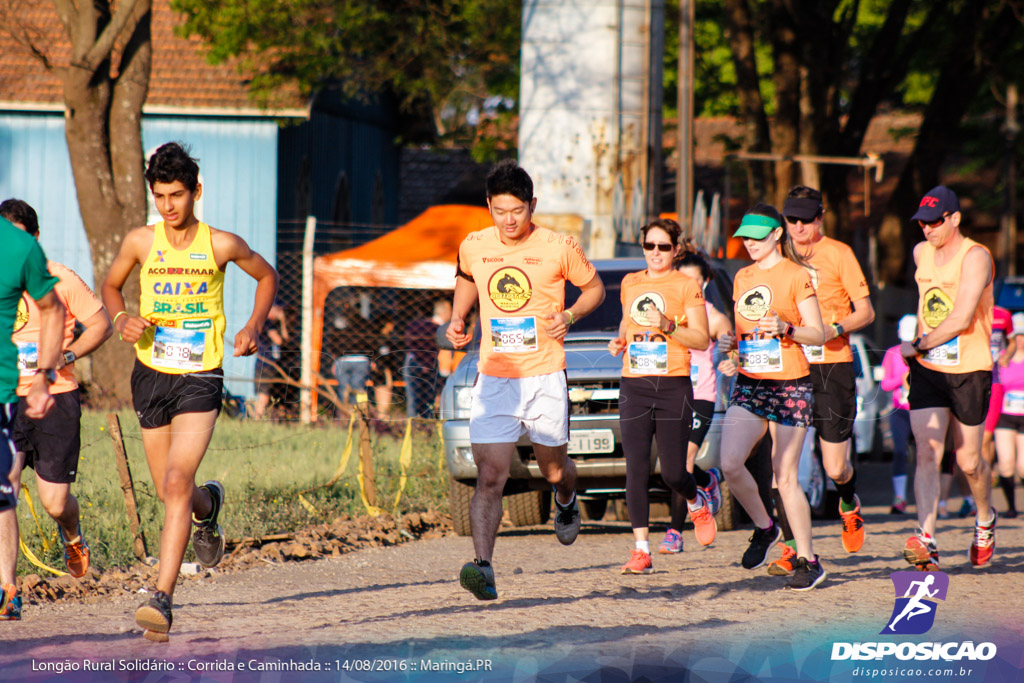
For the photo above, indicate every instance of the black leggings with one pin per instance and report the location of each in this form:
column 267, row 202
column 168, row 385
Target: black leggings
column 649, row 408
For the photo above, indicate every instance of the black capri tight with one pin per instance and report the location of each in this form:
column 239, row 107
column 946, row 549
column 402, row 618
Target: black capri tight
column 655, row 408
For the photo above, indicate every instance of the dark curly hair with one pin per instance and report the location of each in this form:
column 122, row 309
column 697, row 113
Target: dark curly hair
column 171, row 161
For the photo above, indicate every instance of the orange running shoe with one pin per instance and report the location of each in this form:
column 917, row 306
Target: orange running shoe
column 853, row 527
column 922, row 552
column 704, row 526
column 639, row 563
column 76, row 555
column 784, row 565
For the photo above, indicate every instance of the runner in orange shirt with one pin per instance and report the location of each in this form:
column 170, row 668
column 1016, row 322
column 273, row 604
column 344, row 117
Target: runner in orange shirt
column 517, row 272
column 663, row 318
column 776, row 312
column 950, row 371
column 843, row 298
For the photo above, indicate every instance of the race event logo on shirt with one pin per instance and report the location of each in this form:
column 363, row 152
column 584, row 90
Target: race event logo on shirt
column 937, row 305
column 643, row 303
column 755, row 303
column 813, row 272
column 21, row 317
column 916, row 593
column 509, row 289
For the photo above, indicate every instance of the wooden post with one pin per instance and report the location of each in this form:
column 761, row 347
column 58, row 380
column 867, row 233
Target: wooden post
column 127, row 487
column 366, row 456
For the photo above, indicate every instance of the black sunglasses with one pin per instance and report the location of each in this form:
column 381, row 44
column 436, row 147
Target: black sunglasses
column 935, row 223
column 660, row 246
column 793, row 220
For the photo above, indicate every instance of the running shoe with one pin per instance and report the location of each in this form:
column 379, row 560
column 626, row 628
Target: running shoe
column 704, row 526
column 784, row 565
column 155, row 615
column 922, row 551
column 713, row 490
column 673, row 543
column 208, row 538
column 76, row 555
column 984, row 544
column 478, row 578
column 853, row 527
column 967, row 508
column 567, row 522
column 639, row 563
column 899, row 507
column 943, row 512
column 1010, row 514
column 806, row 574
column 761, row 542
column 10, row 603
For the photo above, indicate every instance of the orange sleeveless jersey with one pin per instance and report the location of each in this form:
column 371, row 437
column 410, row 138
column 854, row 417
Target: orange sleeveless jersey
column 938, row 286
column 518, row 285
column 672, row 294
column 780, row 288
column 838, row 280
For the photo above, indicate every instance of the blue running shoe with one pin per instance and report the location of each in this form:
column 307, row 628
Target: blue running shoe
column 713, row 490
column 10, row 603
column 478, row 578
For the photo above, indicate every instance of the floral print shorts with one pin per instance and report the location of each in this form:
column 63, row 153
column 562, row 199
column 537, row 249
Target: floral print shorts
column 788, row 402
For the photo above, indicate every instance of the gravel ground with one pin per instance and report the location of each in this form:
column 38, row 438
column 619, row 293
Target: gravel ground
column 563, row 613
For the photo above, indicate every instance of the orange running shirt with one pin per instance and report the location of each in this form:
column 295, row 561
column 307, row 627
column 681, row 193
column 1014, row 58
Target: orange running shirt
column 649, row 350
column 756, row 292
column 838, row 280
column 80, row 303
column 938, row 286
column 518, row 285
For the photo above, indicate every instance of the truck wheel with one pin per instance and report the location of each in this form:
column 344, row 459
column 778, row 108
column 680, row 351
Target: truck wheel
column 593, row 510
column 530, row 508
column 728, row 517
column 459, row 496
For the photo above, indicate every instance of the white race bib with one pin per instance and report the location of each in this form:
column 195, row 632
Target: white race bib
column 28, row 358
column 760, row 355
column 815, row 354
column 178, row 349
column 648, row 358
column 945, row 354
column 1013, row 402
column 514, row 335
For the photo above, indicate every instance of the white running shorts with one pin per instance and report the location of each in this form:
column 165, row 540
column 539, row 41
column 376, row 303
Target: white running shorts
column 505, row 408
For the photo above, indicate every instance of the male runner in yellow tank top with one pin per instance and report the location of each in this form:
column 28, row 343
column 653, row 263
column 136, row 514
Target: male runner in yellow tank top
column 179, row 343
column 950, row 371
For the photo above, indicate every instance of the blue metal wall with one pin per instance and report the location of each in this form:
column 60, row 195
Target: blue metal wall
column 238, row 163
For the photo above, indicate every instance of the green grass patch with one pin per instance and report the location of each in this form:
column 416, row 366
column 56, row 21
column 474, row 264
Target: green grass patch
column 264, row 467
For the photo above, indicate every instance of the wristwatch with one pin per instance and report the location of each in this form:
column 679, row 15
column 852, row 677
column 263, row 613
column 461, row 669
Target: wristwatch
column 671, row 327
column 839, row 329
column 49, row 374
column 69, row 357
column 917, row 343
column 789, row 330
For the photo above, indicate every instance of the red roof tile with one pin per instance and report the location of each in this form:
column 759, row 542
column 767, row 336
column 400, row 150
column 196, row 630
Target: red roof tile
column 181, row 78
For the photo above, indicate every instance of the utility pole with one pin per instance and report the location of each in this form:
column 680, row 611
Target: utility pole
column 684, row 172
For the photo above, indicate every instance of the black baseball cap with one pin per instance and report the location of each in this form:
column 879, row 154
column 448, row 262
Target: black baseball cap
column 939, row 201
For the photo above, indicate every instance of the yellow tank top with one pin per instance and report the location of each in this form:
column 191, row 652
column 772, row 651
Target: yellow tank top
column 938, row 286
column 183, row 296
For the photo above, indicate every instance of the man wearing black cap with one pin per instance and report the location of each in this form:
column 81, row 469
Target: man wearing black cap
column 843, row 298
column 950, row 371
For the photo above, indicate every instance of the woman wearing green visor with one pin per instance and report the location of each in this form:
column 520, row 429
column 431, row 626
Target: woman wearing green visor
column 776, row 312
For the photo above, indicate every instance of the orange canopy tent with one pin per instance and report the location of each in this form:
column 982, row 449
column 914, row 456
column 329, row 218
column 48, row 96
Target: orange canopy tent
column 419, row 255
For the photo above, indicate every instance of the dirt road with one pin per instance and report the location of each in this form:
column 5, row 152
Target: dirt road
column 563, row 613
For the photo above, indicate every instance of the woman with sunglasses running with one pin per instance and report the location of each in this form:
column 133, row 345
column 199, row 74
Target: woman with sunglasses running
column 663, row 317
column 776, row 312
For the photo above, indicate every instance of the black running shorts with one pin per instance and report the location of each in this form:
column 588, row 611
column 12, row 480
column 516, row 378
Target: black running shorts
column 835, row 400
column 159, row 396
column 1014, row 422
column 51, row 445
column 966, row 394
column 703, row 414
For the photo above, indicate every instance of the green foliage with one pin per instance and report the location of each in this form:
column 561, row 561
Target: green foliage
column 441, row 58
column 263, row 467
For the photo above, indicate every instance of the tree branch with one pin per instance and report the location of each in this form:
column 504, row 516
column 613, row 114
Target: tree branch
column 68, row 13
column 125, row 18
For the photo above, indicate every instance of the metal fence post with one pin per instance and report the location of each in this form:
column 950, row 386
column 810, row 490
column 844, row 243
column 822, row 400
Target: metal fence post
column 305, row 399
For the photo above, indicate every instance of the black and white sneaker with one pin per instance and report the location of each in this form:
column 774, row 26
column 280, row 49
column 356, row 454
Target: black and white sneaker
column 567, row 521
column 806, row 575
column 208, row 538
column 761, row 541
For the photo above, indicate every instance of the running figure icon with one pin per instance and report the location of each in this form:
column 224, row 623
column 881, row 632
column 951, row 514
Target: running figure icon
column 916, row 596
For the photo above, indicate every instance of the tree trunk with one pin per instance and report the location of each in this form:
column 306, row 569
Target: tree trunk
column 786, row 125
column 102, row 122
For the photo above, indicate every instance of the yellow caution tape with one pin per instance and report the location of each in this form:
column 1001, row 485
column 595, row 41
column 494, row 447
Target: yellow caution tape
column 346, row 454
column 404, row 460
column 29, row 555
column 440, row 440
column 309, row 506
column 372, row 510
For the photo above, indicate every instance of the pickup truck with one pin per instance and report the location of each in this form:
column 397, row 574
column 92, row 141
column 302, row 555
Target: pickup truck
column 594, row 442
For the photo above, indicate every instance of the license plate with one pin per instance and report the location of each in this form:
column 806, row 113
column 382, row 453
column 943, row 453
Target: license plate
column 591, row 441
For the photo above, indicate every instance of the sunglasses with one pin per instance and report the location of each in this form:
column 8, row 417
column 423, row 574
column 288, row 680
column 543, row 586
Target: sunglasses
column 793, row 220
column 660, row 246
column 935, row 223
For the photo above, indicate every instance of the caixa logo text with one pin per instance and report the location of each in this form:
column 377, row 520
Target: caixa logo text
column 947, row 652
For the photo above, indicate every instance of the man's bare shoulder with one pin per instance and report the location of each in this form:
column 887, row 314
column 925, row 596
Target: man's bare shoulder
column 139, row 240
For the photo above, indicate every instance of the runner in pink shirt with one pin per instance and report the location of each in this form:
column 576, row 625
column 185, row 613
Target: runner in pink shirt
column 896, row 380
